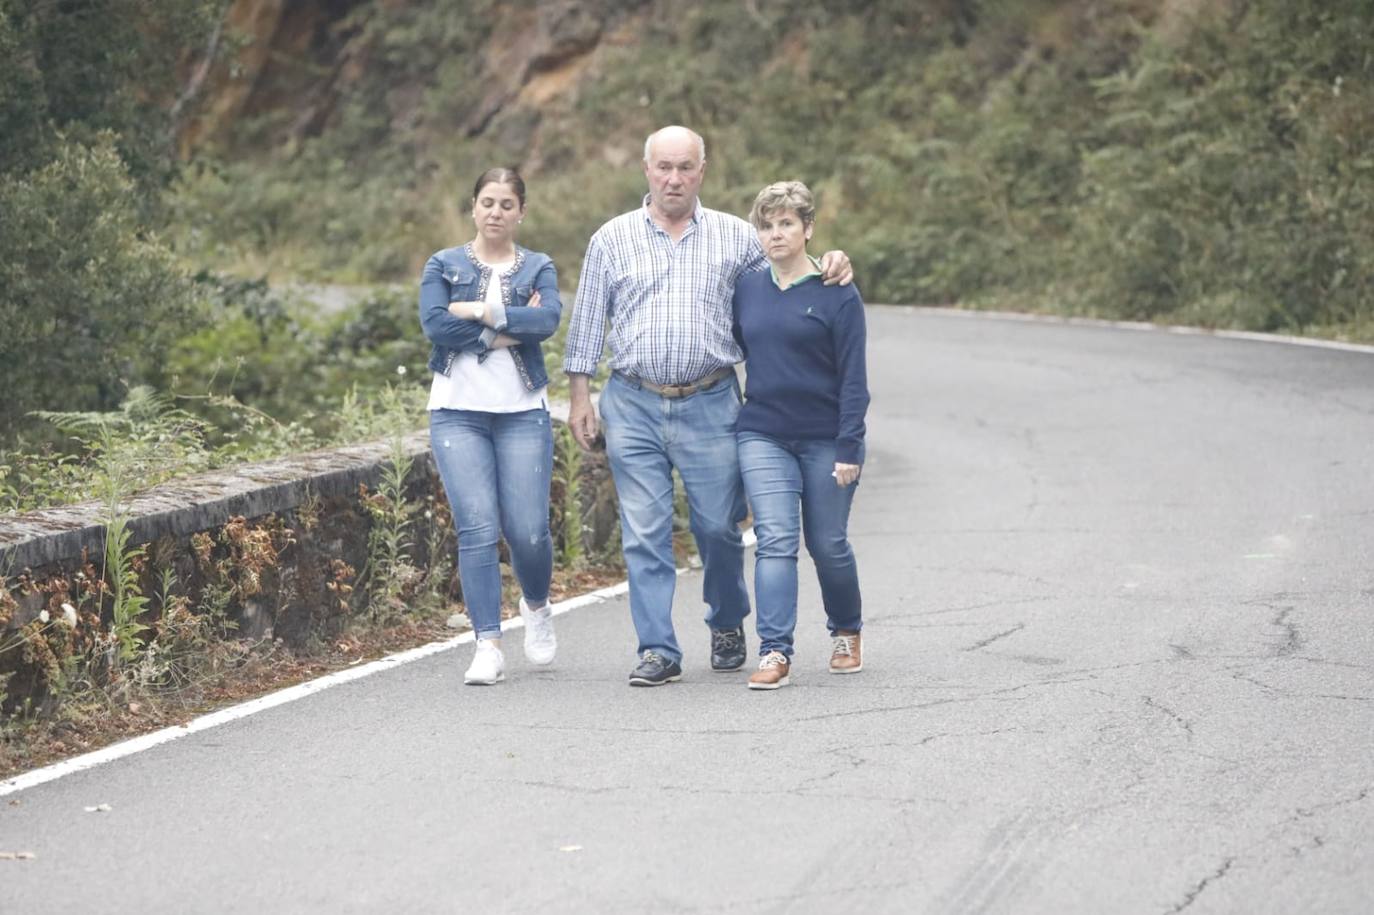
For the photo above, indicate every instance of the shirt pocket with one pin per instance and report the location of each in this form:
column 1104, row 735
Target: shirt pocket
column 523, row 292
column 723, row 273
column 462, row 285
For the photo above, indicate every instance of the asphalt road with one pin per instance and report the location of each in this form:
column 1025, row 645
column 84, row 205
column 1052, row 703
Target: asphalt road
column 1119, row 590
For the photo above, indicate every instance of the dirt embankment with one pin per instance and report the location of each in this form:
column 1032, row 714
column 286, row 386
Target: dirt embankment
column 293, row 64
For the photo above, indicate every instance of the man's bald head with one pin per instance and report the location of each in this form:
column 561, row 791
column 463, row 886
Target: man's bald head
column 674, row 164
column 675, row 133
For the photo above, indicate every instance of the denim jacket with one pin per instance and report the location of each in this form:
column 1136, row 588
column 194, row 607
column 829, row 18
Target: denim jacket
column 455, row 275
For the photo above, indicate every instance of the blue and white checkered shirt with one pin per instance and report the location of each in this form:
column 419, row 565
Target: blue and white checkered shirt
column 667, row 303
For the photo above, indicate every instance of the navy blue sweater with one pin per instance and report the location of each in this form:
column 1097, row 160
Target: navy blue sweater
column 804, row 352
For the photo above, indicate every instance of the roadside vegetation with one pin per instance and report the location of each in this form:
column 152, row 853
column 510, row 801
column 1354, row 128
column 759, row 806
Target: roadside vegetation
column 142, row 635
column 1199, row 163
column 1157, row 160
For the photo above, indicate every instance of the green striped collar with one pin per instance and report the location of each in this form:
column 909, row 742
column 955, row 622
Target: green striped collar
column 815, row 271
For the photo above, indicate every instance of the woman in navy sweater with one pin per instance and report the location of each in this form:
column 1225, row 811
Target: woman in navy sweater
column 801, row 431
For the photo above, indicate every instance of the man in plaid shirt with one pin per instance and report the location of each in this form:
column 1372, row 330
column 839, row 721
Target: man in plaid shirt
column 657, row 285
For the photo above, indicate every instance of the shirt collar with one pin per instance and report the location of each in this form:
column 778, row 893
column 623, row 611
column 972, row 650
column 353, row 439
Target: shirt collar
column 696, row 212
column 815, row 271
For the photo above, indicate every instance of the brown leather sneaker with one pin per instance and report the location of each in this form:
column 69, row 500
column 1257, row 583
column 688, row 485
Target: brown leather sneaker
column 846, row 653
column 772, row 671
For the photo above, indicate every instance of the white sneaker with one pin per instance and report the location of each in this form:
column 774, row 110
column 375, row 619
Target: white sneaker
column 488, row 665
column 540, row 642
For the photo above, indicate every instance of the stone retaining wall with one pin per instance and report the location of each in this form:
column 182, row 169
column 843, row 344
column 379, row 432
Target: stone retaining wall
column 281, row 545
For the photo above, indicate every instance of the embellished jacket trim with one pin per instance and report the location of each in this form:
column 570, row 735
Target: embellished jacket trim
column 484, row 274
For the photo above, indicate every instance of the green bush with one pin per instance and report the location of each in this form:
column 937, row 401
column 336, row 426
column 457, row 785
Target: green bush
column 1235, row 187
column 89, row 299
column 276, row 353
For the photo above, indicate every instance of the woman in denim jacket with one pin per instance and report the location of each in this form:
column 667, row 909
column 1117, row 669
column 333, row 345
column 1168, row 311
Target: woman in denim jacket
column 486, row 306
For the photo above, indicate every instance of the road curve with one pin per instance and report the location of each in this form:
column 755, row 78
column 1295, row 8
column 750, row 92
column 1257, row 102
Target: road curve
column 1119, row 590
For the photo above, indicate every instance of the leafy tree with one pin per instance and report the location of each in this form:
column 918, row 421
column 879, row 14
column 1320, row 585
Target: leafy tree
column 75, row 68
column 88, row 298
column 88, row 295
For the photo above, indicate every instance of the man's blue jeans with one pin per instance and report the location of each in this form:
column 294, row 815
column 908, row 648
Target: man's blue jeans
column 791, row 490
column 647, row 435
column 496, row 469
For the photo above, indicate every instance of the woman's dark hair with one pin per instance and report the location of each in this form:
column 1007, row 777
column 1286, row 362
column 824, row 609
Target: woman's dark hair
column 501, row 176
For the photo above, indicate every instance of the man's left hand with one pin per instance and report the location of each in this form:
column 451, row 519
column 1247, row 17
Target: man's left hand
column 836, row 269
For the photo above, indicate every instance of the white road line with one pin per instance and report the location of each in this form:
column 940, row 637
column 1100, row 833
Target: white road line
column 290, row 694
column 272, row 700
column 1139, row 325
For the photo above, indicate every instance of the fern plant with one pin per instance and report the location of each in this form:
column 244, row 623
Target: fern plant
column 128, row 599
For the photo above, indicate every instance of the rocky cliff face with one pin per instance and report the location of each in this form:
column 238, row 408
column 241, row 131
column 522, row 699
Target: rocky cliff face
column 286, row 67
column 290, row 64
column 268, row 56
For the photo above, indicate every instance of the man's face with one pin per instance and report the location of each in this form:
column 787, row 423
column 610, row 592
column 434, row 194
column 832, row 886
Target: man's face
column 674, row 171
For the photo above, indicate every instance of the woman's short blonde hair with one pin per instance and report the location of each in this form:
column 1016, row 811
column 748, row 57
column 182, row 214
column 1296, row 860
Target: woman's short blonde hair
column 784, row 195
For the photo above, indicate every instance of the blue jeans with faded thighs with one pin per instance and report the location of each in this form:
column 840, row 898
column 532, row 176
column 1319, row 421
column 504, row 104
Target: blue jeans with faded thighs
column 496, row 469
column 647, row 436
column 794, row 496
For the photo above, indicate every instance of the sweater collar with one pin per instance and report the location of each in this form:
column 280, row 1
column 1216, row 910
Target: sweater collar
column 815, row 271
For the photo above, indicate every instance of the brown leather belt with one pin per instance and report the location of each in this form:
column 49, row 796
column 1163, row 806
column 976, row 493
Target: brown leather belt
column 679, row 390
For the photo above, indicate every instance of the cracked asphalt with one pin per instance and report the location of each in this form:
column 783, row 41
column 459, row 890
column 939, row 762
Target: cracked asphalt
column 1119, row 589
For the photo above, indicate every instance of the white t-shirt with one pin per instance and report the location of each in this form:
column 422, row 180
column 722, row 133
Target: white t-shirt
column 493, row 385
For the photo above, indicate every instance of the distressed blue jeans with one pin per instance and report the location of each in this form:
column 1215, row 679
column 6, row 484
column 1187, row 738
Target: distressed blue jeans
column 647, row 436
column 792, row 492
column 496, row 469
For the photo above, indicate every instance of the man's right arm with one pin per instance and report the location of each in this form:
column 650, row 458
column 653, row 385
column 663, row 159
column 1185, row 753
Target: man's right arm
column 581, row 413
column 587, row 327
column 586, row 337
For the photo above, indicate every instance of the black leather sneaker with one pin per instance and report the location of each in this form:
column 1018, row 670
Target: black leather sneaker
column 728, row 649
column 655, row 670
